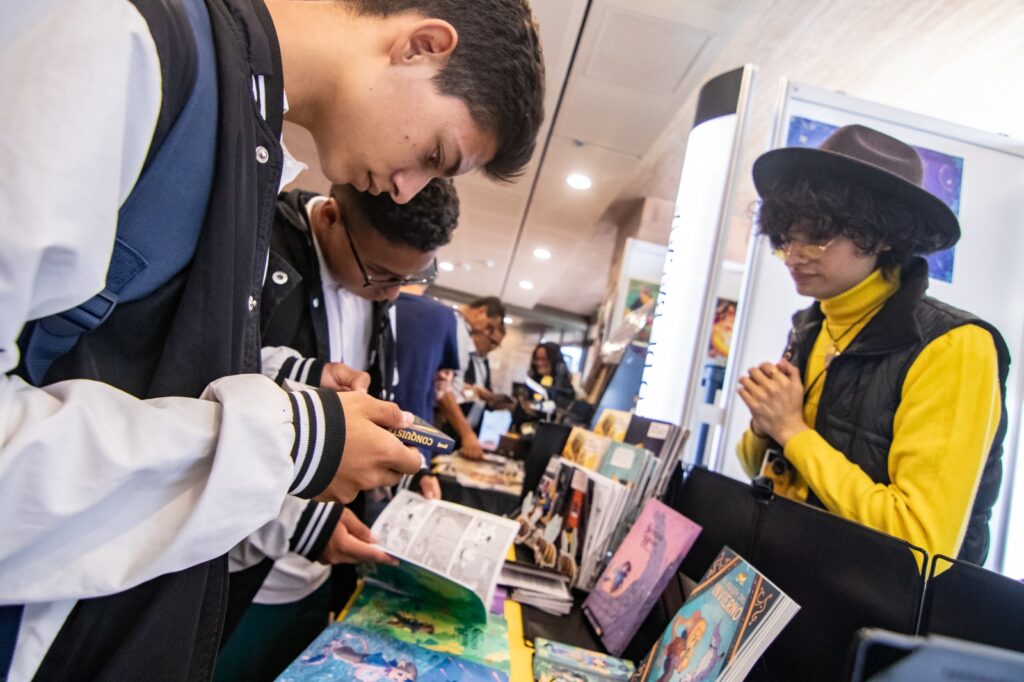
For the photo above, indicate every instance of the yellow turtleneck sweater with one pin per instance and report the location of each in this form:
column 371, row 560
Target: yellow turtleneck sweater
column 942, row 431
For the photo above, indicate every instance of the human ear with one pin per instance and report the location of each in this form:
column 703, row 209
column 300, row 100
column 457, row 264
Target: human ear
column 330, row 213
column 431, row 40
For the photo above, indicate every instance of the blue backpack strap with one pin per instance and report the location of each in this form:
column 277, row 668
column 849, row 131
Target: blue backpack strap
column 159, row 223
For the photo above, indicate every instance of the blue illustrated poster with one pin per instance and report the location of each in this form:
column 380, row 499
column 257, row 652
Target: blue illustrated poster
column 943, row 177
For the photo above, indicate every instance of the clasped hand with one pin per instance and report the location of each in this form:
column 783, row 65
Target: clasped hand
column 774, row 394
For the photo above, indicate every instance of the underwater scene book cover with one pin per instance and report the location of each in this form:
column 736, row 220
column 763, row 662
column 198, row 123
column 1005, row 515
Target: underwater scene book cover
column 345, row 652
column 430, row 624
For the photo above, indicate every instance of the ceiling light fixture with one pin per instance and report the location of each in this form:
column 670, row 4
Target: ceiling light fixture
column 578, row 181
column 446, row 266
column 509, row 320
column 542, row 254
column 526, row 284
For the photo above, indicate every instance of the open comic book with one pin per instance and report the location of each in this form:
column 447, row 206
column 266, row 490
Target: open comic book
column 446, row 551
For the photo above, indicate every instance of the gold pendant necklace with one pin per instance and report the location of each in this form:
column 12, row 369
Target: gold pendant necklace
column 833, row 351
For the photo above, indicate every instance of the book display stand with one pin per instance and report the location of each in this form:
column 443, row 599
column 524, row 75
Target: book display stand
column 845, row 577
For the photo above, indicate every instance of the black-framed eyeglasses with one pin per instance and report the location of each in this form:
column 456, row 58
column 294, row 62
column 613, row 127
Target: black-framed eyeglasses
column 425, row 277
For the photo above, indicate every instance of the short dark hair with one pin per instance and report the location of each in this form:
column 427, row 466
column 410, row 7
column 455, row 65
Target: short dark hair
column 425, row 223
column 495, row 308
column 824, row 207
column 497, row 69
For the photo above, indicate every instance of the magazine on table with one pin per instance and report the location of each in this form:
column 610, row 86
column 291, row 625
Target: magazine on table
column 722, row 628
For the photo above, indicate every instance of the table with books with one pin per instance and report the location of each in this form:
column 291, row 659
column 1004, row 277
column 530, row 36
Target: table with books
column 614, row 565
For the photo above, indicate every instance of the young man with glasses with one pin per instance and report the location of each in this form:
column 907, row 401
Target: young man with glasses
column 336, row 265
column 888, row 407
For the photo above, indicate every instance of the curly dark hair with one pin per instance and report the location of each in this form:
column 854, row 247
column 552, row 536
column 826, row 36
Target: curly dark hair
column 821, row 208
column 497, row 69
column 425, row 223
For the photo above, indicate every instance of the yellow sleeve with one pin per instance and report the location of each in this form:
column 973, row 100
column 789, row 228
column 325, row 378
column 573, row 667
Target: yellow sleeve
column 750, row 451
column 942, row 432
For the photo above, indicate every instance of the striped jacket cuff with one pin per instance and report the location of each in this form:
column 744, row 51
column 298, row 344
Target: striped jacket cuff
column 319, row 423
column 303, row 370
column 315, row 528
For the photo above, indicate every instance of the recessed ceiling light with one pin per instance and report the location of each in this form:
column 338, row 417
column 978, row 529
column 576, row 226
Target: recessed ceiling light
column 526, row 284
column 446, row 266
column 541, row 253
column 578, row 181
column 509, row 320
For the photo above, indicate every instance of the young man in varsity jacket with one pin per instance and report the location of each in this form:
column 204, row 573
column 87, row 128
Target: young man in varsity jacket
column 336, row 265
column 889, row 404
column 144, row 156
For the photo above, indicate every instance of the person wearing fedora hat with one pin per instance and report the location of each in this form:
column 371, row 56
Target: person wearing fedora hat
column 888, row 406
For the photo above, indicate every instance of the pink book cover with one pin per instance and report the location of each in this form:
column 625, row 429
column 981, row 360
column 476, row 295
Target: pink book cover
column 638, row 573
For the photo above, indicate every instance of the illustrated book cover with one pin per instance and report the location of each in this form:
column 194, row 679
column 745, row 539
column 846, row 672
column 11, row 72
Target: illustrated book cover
column 345, row 652
column 613, row 423
column 638, row 573
column 586, row 448
column 568, row 521
column 557, row 662
column 624, row 463
column 722, row 628
column 649, row 433
column 430, row 624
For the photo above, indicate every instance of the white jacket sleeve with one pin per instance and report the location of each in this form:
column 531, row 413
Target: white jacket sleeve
column 100, row 491
column 302, row 526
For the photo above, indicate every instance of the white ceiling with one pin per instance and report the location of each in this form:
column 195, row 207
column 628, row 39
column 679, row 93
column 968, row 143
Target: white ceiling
column 633, row 64
column 622, row 83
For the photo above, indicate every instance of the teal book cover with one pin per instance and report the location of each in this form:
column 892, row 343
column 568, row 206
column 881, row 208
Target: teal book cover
column 344, row 652
column 724, row 626
column 431, row 624
column 624, row 463
column 558, row 662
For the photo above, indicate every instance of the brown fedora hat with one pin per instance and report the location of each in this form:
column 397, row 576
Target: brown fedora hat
column 858, row 154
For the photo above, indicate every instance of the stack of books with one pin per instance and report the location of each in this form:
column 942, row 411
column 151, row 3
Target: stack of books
column 540, row 588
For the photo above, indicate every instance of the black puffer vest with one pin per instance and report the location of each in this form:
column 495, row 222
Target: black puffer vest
column 863, row 385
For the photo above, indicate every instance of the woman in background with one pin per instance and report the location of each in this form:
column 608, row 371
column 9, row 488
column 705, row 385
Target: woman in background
column 547, row 368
